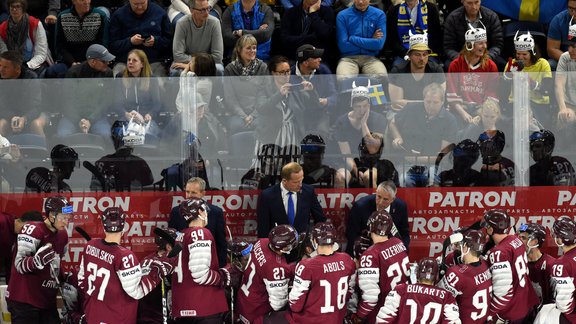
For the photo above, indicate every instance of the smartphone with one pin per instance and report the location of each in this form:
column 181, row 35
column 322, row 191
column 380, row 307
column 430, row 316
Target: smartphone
column 15, row 122
column 297, row 87
column 145, row 36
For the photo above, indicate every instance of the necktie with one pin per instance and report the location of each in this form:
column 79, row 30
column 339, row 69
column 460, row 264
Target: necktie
column 291, row 212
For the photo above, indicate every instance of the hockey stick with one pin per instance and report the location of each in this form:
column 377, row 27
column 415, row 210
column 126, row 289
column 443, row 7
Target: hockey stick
column 231, row 288
column 221, row 173
column 97, row 174
column 55, row 276
column 82, row 232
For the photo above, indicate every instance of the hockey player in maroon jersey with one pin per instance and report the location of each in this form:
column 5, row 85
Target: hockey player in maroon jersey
column 111, row 276
column 323, row 283
column 150, row 307
column 513, row 297
column 470, row 281
column 264, row 289
column 383, row 266
column 422, row 302
column 31, row 293
column 73, row 298
column 563, row 274
column 197, row 283
column 539, row 263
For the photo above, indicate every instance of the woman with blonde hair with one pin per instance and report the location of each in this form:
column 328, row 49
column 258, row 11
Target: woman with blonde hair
column 472, row 77
column 247, row 81
column 138, row 98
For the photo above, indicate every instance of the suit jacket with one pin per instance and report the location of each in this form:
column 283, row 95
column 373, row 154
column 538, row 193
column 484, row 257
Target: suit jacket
column 361, row 211
column 216, row 225
column 271, row 211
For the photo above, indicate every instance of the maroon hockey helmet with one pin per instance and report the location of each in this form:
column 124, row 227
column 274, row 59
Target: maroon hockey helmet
column 475, row 240
column 283, row 238
column 498, row 219
column 161, row 241
column 362, row 244
column 565, row 229
column 324, row 234
column 534, row 231
column 427, row 269
column 57, row 205
column 113, row 219
column 190, row 208
column 380, row 223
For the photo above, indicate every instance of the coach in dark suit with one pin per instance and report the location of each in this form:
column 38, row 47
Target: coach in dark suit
column 384, row 199
column 288, row 199
column 196, row 187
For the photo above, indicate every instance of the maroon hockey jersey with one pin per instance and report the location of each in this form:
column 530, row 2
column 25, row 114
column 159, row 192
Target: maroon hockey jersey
column 418, row 303
column 541, row 274
column 383, row 266
column 196, row 283
column 471, row 285
column 321, row 289
column 264, row 284
column 513, row 295
column 150, row 306
column 563, row 274
column 112, row 281
column 28, row 284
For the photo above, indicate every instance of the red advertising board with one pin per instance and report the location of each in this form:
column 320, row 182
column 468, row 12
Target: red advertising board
column 433, row 212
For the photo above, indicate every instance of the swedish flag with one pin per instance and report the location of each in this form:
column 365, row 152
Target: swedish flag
column 541, row 11
column 377, row 95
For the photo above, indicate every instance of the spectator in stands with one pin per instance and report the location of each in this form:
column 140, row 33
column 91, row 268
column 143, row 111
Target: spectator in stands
column 180, row 8
column 473, row 76
column 78, row 27
column 316, row 173
column 412, row 17
column 249, row 17
column 122, row 170
column 528, row 60
column 144, row 25
column 45, row 10
column 26, row 35
column 489, row 118
column 89, row 100
column 408, row 79
column 358, row 123
column 458, row 23
column 287, row 107
column 289, row 4
column 20, row 104
column 558, row 38
column 309, row 67
column 361, row 33
column 566, row 89
column 309, row 23
column 138, row 97
column 203, row 68
column 496, row 169
column 424, row 129
column 242, row 89
column 198, row 32
column 368, row 169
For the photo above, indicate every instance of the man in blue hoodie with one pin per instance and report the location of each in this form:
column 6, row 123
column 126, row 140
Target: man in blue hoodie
column 361, row 33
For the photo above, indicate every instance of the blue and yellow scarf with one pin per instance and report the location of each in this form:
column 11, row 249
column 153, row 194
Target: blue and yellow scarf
column 405, row 25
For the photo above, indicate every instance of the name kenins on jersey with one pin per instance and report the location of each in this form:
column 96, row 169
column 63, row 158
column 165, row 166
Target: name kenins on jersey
column 97, row 253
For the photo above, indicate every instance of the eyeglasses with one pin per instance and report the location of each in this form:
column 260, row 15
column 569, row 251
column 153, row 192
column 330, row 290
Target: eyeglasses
column 204, row 11
column 16, row 6
column 287, row 72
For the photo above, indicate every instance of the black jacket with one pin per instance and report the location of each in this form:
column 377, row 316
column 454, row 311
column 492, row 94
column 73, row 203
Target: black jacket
column 456, row 26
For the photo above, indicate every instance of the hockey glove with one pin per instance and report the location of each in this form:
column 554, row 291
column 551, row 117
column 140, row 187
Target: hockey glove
column 44, row 256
